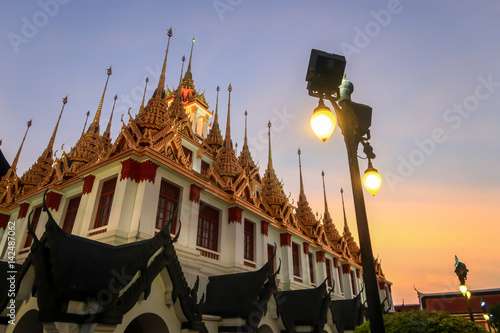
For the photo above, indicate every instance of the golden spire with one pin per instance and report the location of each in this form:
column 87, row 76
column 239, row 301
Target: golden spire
column 141, row 108
column 189, row 76
column 300, row 172
column 86, row 119
column 245, row 158
column 176, row 109
column 270, row 157
column 343, row 209
column 214, row 137
column 94, row 127
column 107, row 133
column 160, row 91
column 324, row 191
column 16, row 159
column 48, row 151
column 228, row 143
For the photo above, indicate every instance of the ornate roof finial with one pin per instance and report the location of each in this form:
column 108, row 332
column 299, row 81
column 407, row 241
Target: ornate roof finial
column 160, row 90
column 141, row 108
column 324, row 190
column 86, row 119
column 94, row 127
column 214, row 137
column 270, row 157
column 228, row 143
column 343, row 208
column 48, row 150
column 189, row 75
column 176, row 109
column 16, row 159
column 300, row 172
column 107, row 133
column 245, row 141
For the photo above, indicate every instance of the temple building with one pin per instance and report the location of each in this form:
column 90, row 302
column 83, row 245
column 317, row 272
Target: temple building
column 166, row 229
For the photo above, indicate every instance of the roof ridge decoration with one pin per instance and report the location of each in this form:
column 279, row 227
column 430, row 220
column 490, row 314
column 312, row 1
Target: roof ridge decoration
column 176, row 109
column 304, row 212
column 37, row 173
column 9, row 183
column 129, row 268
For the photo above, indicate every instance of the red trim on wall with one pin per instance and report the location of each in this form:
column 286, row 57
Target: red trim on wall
column 194, row 193
column 320, row 256
column 138, row 171
column 264, row 227
column 23, row 210
column 381, row 285
column 285, row 239
column 358, row 273
column 336, row 262
column 306, row 248
column 346, row 268
column 235, row 214
column 88, row 183
column 4, row 219
column 130, row 169
column 53, row 200
column 147, row 171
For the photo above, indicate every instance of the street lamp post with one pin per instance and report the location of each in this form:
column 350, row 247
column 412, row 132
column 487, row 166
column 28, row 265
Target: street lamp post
column 324, row 75
column 461, row 271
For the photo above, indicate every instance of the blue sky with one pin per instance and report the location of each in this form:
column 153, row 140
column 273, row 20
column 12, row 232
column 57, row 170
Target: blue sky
column 417, row 63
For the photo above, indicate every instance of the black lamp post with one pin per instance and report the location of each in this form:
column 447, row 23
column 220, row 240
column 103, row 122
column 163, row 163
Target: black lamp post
column 461, row 271
column 324, row 76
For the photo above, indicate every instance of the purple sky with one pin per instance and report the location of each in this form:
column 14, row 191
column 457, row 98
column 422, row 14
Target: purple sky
column 429, row 69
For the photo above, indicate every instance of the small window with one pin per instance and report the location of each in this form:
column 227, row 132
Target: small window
column 204, row 168
column 168, row 201
column 311, row 266
column 188, row 153
column 341, row 283
column 328, row 264
column 353, row 283
column 69, row 219
column 270, row 252
column 249, row 241
column 208, row 227
column 105, row 202
column 34, row 222
column 296, row 259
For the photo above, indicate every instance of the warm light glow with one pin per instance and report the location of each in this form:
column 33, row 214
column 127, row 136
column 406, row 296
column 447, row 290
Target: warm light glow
column 486, row 317
column 463, row 289
column 323, row 121
column 372, row 180
column 468, row 294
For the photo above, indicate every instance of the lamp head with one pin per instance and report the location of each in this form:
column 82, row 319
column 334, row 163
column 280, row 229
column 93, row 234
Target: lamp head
column 323, row 121
column 463, row 289
column 372, row 180
column 324, row 73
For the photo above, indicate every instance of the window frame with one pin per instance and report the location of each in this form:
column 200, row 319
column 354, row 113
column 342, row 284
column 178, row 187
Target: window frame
column 211, row 242
column 104, row 217
column 37, row 213
column 166, row 199
column 70, row 209
column 249, row 240
column 296, row 259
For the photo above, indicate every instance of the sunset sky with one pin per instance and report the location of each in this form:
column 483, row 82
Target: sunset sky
column 429, row 69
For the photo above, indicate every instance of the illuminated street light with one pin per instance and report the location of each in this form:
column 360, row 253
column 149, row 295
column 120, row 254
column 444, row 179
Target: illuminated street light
column 372, row 179
column 324, row 78
column 461, row 271
column 323, row 121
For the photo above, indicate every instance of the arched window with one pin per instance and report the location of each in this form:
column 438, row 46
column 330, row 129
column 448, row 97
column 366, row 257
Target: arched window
column 147, row 323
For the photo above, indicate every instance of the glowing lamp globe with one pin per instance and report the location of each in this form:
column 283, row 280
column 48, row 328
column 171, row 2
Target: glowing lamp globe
column 486, row 317
column 463, row 289
column 372, row 180
column 468, row 294
column 323, row 121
